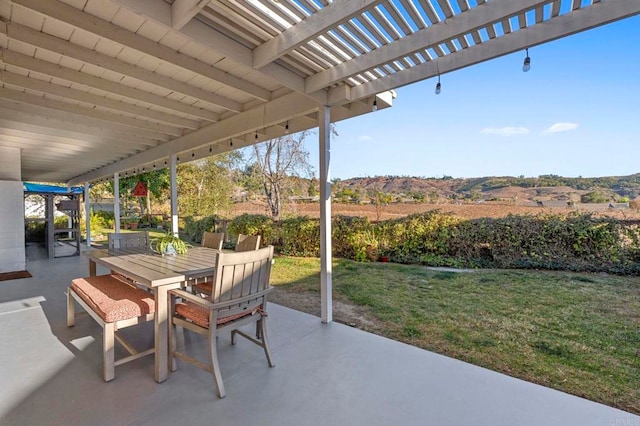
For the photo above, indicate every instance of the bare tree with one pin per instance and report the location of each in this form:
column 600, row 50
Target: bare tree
column 278, row 160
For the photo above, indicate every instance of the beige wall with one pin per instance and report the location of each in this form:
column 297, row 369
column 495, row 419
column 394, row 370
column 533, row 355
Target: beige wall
column 12, row 253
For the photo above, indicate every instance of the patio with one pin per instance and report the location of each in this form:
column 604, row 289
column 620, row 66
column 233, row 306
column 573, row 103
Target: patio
column 325, row 374
column 94, row 90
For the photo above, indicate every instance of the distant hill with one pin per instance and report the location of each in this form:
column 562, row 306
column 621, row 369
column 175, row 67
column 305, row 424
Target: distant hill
column 542, row 188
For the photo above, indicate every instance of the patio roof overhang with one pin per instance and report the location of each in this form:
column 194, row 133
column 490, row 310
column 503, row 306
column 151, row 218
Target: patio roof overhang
column 95, row 87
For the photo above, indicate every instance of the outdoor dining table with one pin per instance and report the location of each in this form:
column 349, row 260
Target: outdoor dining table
column 160, row 274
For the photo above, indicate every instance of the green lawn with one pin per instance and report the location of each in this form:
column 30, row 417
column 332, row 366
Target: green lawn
column 576, row 332
column 101, row 237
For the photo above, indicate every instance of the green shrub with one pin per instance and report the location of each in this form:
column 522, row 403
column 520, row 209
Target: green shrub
column 194, row 227
column 573, row 241
column 299, row 236
column 107, row 218
column 254, row 224
column 34, row 231
column 60, row 222
column 354, row 238
column 408, row 239
column 594, row 197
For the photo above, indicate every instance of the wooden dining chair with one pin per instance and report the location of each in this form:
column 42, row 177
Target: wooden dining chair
column 129, row 240
column 248, row 242
column 213, row 240
column 239, row 297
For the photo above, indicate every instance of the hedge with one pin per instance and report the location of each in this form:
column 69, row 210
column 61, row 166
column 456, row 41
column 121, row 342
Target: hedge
column 574, row 241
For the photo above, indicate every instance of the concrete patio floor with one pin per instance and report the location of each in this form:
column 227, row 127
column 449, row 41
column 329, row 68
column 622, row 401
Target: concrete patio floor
column 324, row 375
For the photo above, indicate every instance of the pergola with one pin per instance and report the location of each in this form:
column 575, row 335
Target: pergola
column 93, row 89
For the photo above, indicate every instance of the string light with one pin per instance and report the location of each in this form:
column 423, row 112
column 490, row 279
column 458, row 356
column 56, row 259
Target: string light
column 438, row 86
column 286, row 128
column 374, row 108
column 526, row 66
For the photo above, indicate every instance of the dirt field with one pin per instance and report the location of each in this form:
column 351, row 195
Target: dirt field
column 469, row 211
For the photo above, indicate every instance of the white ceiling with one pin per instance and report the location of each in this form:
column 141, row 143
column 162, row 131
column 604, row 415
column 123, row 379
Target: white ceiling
column 94, row 87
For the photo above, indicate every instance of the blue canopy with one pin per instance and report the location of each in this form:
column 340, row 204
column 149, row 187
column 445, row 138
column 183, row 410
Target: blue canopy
column 52, row 189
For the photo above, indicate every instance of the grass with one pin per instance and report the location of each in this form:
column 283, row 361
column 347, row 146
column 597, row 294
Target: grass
column 575, row 332
column 153, row 233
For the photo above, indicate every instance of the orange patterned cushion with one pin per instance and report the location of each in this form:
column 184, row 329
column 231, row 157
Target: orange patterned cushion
column 200, row 316
column 205, row 287
column 112, row 299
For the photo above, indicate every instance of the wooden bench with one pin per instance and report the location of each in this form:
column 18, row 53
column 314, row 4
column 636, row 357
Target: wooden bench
column 114, row 304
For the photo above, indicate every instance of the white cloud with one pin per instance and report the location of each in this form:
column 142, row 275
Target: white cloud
column 364, row 138
column 505, row 131
column 561, row 127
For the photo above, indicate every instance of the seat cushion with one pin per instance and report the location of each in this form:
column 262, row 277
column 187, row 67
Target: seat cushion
column 112, row 299
column 200, row 316
column 205, row 287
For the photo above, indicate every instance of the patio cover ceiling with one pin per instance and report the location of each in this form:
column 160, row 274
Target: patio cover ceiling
column 95, row 87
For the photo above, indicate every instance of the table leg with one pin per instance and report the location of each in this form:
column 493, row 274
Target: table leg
column 162, row 332
column 92, row 268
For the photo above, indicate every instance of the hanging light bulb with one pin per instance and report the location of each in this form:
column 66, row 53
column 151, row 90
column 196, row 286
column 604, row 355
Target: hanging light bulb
column 438, row 86
column 256, row 136
column 374, row 108
column 286, row 128
column 526, row 66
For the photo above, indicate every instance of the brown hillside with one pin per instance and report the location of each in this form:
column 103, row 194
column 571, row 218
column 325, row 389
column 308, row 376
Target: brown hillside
column 469, row 198
column 469, row 211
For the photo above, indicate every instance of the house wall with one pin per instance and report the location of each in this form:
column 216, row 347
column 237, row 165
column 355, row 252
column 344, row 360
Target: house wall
column 12, row 252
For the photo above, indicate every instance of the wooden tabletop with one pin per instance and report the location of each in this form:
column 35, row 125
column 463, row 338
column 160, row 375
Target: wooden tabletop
column 152, row 269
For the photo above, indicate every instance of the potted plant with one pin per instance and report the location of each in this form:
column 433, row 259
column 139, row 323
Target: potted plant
column 169, row 244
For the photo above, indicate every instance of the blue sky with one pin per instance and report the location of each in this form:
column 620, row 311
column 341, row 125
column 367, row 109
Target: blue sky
column 576, row 113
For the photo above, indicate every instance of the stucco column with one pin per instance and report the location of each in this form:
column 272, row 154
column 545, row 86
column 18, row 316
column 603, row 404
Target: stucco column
column 116, row 201
column 174, row 194
column 87, row 212
column 326, row 285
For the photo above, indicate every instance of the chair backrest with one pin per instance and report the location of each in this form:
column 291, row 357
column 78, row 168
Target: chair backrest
column 129, row 240
column 248, row 242
column 240, row 275
column 213, row 240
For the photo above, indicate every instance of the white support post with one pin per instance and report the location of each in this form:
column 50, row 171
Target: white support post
column 326, row 286
column 116, row 201
column 174, row 194
column 69, row 225
column 51, row 235
column 87, row 213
